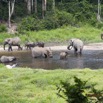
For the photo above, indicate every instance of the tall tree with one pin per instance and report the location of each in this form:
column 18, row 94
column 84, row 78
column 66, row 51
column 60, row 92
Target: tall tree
column 35, row 6
column 53, row 7
column 11, row 4
column 44, row 2
column 29, row 6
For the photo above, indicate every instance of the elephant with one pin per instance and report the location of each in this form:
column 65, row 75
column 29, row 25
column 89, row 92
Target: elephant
column 77, row 44
column 29, row 45
column 102, row 36
column 6, row 59
column 63, row 55
column 41, row 52
column 12, row 42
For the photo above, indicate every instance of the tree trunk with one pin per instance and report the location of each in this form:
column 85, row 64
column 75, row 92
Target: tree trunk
column 53, row 7
column 44, row 2
column 29, row 6
column 11, row 10
column 32, row 5
column 35, row 6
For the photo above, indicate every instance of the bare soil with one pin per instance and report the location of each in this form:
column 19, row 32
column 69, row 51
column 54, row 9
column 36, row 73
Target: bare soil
column 92, row 46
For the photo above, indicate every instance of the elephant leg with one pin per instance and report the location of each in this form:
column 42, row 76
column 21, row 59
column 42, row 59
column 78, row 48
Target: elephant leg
column 19, row 47
column 75, row 50
column 10, row 48
column 29, row 48
column 80, row 50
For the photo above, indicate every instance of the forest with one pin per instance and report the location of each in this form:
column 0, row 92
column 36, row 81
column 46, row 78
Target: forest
column 34, row 15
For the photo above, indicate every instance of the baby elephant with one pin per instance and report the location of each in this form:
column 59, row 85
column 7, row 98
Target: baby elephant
column 41, row 52
column 6, row 59
column 63, row 55
column 40, row 44
column 30, row 45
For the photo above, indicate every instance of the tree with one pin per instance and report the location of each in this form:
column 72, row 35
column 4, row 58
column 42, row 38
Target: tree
column 53, row 7
column 44, row 2
column 11, row 4
column 35, row 6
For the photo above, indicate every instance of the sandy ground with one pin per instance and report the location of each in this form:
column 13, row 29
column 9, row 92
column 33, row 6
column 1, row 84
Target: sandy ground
column 92, row 46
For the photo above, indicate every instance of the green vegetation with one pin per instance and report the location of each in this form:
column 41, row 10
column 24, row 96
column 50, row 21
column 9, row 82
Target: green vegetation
column 86, row 33
column 79, row 92
column 25, row 85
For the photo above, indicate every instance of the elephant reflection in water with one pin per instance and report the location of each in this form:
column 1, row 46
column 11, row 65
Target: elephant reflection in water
column 12, row 42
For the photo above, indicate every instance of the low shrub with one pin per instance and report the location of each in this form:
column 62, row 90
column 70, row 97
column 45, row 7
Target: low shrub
column 79, row 92
column 52, row 20
column 3, row 28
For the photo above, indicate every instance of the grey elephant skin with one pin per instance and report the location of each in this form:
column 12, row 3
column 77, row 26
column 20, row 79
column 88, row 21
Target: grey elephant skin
column 6, row 59
column 12, row 42
column 30, row 45
column 41, row 52
column 77, row 44
column 63, row 55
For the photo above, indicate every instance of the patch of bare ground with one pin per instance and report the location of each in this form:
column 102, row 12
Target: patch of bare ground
column 54, row 47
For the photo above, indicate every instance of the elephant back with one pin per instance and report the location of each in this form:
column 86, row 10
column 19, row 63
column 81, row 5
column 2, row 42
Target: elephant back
column 41, row 52
column 15, row 40
column 78, row 42
column 5, row 59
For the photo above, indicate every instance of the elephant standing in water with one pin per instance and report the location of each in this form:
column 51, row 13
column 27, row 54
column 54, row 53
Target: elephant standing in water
column 77, row 44
column 12, row 42
column 41, row 52
column 63, row 55
column 5, row 59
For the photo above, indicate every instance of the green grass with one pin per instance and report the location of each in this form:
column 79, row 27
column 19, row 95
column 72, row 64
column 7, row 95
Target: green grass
column 87, row 33
column 25, row 85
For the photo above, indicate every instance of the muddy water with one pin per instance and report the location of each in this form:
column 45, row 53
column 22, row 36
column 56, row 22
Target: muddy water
column 89, row 59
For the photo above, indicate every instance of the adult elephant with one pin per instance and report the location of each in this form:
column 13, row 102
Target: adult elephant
column 12, row 42
column 77, row 44
column 5, row 59
column 41, row 52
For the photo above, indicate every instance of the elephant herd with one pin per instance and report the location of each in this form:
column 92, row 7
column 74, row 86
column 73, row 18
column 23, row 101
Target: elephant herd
column 39, row 50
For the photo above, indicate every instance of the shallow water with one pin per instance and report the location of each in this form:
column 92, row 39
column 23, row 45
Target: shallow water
column 89, row 59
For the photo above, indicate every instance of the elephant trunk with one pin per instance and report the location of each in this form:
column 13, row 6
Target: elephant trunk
column 69, row 47
column 4, row 45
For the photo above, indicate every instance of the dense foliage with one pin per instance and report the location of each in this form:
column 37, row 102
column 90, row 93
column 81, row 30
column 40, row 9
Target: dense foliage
column 67, row 12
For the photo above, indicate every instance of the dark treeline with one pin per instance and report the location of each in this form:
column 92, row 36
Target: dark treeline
column 50, row 14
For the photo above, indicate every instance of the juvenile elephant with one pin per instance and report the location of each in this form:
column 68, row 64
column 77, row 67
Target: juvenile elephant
column 29, row 45
column 77, row 44
column 5, row 59
column 12, row 42
column 63, row 55
column 41, row 52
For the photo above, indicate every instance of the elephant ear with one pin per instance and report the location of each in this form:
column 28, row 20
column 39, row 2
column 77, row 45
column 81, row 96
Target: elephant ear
column 72, row 40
